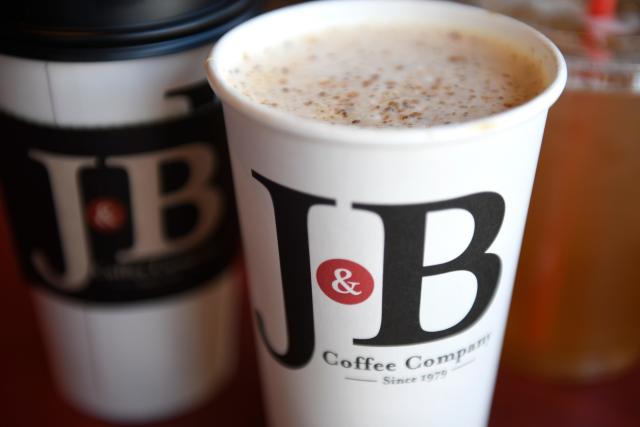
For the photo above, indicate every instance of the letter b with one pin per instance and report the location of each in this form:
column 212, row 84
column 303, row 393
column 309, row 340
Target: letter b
column 404, row 228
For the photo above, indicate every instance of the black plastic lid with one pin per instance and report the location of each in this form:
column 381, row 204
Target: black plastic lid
column 100, row 30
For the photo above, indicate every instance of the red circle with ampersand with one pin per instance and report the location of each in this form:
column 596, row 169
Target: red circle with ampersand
column 106, row 215
column 344, row 281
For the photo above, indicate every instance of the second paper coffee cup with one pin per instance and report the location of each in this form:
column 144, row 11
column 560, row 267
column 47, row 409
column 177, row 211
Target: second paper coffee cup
column 117, row 187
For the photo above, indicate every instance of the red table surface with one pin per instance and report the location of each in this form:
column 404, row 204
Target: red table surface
column 28, row 396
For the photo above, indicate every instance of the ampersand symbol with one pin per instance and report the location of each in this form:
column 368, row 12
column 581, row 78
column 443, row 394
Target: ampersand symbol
column 106, row 215
column 340, row 285
column 344, row 281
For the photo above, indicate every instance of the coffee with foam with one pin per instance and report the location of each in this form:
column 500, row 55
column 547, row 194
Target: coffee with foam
column 390, row 76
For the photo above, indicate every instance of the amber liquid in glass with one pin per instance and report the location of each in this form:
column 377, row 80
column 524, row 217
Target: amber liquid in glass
column 576, row 307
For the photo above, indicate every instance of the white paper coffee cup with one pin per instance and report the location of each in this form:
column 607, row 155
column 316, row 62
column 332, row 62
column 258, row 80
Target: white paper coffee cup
column 429, row 221
column 140, row 359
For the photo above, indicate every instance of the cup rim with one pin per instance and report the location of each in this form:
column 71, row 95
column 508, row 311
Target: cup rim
column 370, row 136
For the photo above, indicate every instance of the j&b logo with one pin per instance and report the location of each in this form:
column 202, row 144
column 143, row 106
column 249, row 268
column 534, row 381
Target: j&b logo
column 125, row 212
column 148, row 205
column 347, row 282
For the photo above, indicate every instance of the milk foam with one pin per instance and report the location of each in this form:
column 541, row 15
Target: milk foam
column 390, row 76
